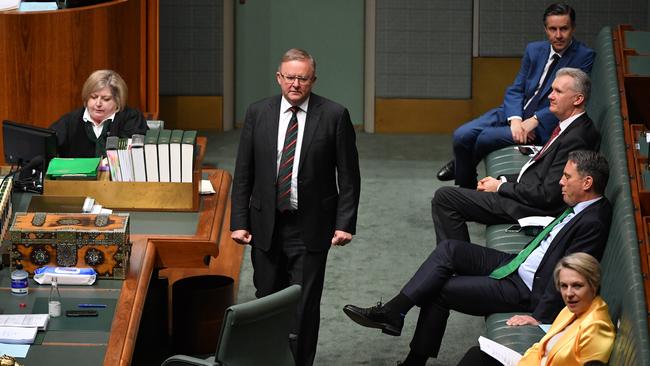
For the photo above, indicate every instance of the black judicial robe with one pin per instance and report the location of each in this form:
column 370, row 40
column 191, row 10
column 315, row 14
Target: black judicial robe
column 76, row 138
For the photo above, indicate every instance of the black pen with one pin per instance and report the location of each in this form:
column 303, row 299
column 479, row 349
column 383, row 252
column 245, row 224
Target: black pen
column 91, row 305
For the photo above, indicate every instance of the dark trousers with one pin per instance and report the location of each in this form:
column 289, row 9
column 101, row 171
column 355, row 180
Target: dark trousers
column 456, row 277
column 289, row 262
column 475, row 357
column 477, row 138
column 452, row 207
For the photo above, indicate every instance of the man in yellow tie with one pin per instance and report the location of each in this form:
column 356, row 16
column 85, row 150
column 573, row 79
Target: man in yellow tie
column 476, row 280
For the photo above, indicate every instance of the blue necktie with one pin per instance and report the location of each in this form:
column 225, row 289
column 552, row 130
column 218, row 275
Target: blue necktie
column 532, row 106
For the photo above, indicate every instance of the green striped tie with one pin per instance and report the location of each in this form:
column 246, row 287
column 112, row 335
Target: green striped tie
column 285, row 170
column 511, row 267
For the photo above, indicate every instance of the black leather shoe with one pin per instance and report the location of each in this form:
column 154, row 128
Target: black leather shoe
column 378, row 316
column 447, row 172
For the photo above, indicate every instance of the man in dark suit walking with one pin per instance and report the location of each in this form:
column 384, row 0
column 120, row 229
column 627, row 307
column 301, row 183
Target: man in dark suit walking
column 295, row 191
column 476, row 280
column 524, row 115
column 534, row 191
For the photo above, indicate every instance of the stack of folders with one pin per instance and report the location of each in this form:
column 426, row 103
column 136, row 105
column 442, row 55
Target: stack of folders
column 158, row 156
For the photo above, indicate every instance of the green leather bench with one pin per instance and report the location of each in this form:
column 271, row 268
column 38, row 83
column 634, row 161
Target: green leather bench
column 622, row 285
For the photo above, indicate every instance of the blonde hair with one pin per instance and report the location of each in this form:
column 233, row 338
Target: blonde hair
column 583, row 263
column 106, row 78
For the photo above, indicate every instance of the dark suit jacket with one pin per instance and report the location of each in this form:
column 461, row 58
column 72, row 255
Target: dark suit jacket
column 587, row 232
column 328, row 159
column 538, row 191
column 532, row 66
column 73, row 142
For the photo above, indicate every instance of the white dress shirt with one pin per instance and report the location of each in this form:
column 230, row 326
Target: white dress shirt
column 285, row 117
column 527, row 269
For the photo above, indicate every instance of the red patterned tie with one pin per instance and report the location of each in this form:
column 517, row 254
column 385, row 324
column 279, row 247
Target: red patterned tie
column 554, row 134
column 285, row 171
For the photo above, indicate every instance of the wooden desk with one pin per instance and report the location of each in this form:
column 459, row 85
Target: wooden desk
column 177, row 256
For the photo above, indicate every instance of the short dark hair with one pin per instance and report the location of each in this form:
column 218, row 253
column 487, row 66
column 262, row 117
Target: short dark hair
column 593, row 164
column 560, row 9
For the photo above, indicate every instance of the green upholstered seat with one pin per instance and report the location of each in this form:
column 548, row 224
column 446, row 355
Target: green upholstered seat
column 264, row 322
column 507, row 160
column 516, row 338
column 497, row 238
column 622, row 284
column 604, row 83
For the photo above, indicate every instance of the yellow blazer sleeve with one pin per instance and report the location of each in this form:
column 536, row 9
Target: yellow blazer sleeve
column 595, row 342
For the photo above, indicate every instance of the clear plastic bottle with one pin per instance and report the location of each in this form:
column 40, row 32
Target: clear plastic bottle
column 19, row 281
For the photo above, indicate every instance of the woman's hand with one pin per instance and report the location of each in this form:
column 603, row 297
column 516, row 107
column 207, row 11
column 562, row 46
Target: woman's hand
column 518, row 320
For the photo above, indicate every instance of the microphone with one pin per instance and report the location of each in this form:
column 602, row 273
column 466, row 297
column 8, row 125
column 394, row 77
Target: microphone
column 36, row 161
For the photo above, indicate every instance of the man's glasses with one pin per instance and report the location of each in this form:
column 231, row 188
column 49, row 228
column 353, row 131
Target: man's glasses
column 290, row 79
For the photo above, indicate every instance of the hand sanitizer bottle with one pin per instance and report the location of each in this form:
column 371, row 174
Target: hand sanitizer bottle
column 19, row 283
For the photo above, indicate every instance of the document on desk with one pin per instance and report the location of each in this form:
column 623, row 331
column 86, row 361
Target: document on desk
column 499, row 352
column 25, row 320
column 14, row 350
column 37, row 6
column 17, row 335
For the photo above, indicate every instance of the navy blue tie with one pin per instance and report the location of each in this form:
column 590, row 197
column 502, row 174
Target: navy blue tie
column 534, row 102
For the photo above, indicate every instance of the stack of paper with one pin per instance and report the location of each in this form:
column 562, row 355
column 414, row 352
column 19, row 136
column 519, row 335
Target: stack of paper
column 501, row 353
column 25, row 320
column 21, row 328
column 17, row 335
column 9, row 4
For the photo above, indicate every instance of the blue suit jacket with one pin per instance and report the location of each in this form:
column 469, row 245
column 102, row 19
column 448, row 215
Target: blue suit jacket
column 532, row 66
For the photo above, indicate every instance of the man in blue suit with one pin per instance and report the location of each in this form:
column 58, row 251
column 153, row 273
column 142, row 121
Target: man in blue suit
column 524, row 116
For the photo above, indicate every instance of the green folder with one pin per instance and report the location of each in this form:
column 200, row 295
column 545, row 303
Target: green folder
column 73, row 168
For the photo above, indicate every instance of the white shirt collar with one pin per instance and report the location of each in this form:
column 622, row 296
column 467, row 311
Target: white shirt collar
column 564, row 124
column 584, row 204
column 285, row 105
column 550, row 55
column 86, row 117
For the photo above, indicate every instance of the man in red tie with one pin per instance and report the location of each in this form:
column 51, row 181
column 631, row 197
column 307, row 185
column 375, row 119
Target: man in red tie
column 295, row 192
column 534, row 191
column 524, row 115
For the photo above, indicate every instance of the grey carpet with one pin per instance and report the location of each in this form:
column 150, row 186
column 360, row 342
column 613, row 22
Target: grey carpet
column 394, row 235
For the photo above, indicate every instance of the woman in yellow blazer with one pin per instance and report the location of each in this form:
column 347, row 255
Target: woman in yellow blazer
column 581, row 334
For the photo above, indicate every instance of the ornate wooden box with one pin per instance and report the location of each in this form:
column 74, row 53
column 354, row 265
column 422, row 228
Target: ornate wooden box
column 72, row 240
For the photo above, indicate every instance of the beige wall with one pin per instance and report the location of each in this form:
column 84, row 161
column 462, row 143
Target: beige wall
column 490, row 77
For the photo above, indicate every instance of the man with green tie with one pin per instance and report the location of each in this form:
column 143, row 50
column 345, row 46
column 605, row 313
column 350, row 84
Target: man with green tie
column 476, row 280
